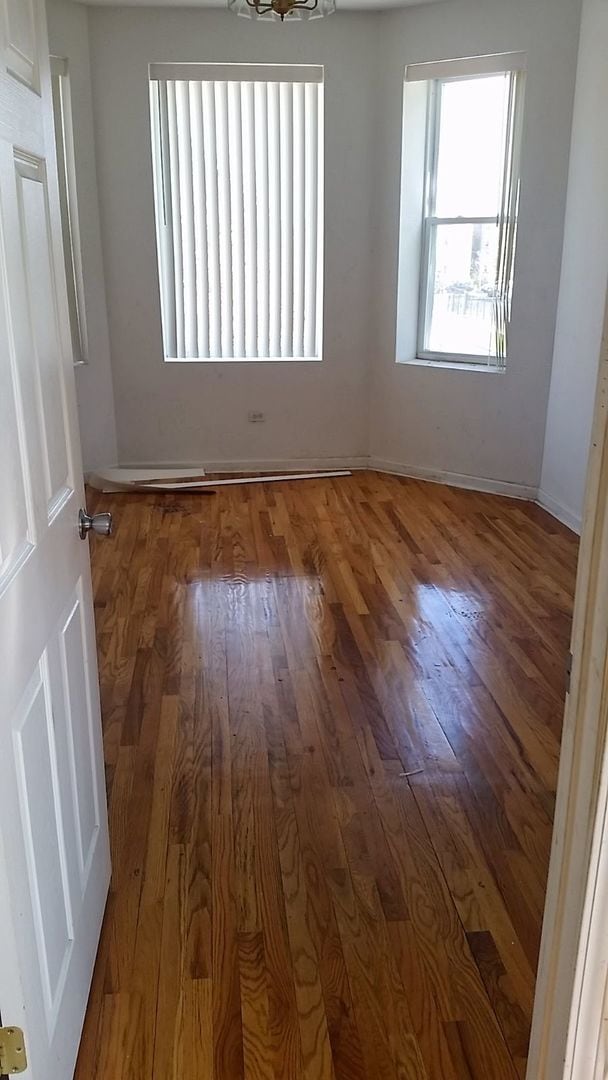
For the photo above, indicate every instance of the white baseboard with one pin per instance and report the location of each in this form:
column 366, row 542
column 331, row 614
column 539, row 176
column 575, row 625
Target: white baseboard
column 557, row 510
column 460, row 480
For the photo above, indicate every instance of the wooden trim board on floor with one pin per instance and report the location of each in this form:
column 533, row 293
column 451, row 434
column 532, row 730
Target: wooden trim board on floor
column 98, row 481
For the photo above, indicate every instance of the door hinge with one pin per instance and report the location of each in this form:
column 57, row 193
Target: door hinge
column 13, row 1058
column 568, row 672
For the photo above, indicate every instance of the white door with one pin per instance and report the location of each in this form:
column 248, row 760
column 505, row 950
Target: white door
column 54, row 854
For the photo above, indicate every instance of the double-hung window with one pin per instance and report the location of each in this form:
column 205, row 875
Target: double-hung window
column 238, row 180
column 469, row 195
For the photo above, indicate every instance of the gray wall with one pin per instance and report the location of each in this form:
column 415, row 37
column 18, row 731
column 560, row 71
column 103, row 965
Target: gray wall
column 478, row 423
column 193, row 412
column 584, row 279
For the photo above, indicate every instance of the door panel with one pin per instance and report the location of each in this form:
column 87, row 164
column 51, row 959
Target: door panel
column 21, row 346
column 21, row 58
column 42, row 828
column 42, row 317
column 80, row 738
column 15, row 532
column 54, row 849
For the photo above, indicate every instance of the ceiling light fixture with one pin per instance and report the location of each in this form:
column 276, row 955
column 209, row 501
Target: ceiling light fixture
column 285, row 10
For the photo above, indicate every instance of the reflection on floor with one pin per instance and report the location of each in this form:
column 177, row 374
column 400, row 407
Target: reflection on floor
column 332, row 715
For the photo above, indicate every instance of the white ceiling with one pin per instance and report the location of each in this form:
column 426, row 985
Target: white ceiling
column 351, row 5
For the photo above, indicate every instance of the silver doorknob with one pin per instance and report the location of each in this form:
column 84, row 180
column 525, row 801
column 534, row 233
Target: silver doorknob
column 98, row 523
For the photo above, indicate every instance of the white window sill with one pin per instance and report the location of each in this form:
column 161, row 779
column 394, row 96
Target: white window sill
column 452, row 365
column 243, row 359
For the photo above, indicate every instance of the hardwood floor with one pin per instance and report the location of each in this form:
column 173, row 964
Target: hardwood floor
column 332, row 714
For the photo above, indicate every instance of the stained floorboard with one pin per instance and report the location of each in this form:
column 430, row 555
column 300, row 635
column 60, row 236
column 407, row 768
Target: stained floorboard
column 332, row 713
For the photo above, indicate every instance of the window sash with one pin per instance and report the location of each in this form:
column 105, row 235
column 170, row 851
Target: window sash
column 431, row 221
column 435, row 220
column 238, row 175
column 429, row 232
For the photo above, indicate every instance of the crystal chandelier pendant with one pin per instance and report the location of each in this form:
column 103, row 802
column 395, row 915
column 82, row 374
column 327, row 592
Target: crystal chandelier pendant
column 282, row 10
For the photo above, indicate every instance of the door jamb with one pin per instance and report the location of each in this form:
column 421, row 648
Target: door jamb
column 573, row 962
column 3, row 1076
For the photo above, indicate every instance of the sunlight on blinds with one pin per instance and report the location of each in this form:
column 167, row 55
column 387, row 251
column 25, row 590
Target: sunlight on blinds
column 239, row 197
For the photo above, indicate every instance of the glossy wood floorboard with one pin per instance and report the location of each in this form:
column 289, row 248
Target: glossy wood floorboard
column 332, row 714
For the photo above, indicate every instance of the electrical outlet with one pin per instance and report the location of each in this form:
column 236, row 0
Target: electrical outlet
column 256, row 417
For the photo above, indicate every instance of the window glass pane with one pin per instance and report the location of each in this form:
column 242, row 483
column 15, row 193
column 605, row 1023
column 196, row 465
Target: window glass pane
column 461, row 289
column 471, row 142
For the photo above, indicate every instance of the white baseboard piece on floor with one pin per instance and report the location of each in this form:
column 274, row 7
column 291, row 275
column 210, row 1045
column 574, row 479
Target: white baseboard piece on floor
column 191, row 486
column 460, row 480
column 125, row 474
column 191, row 478
column 259, row 465
column 121, row 478
column 557, row 510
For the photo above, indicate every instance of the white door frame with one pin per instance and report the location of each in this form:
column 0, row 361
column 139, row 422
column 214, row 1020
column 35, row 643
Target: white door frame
column 568, row 1041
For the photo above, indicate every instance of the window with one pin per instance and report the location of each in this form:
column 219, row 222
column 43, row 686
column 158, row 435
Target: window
column 238, row 180
column 64, row 142
column 469, row 196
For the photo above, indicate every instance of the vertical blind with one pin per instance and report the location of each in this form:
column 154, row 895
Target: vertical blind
column 237, row 155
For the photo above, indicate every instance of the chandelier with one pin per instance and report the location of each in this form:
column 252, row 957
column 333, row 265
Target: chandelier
column 285, row 10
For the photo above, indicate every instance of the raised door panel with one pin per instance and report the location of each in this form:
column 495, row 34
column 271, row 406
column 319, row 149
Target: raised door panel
column 61, row 840
column 32, row 202
column 20, row 41
column 20, row 367
column 36, row 772
column 79, row 735
column 16, row 524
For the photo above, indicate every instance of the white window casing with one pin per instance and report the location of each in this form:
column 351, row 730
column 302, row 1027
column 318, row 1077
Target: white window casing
column 68, row 202
column 493, row 64
column 419, row 221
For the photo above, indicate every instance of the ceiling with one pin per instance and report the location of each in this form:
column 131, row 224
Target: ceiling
column 351, row 5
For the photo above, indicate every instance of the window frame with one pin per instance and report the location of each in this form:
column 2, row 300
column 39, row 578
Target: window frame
column 68, row 203
column 415, row 224
column 431, row 221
